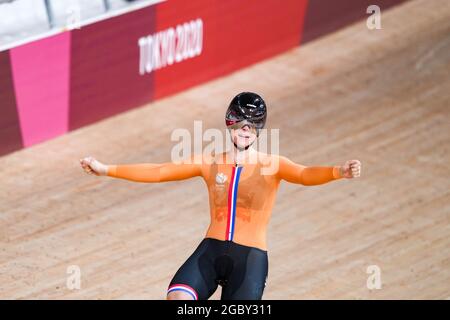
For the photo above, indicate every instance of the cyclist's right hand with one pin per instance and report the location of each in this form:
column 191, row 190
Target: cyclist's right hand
column 93, row 166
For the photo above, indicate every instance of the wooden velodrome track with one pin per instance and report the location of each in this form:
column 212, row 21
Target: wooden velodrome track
column 381, row 96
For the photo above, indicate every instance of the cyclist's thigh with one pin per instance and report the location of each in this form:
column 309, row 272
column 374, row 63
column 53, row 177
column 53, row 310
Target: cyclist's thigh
column 196, row 277
column 248, row 279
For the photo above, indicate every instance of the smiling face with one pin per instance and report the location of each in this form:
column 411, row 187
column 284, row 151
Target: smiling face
column 243, row 137
column 245, row 117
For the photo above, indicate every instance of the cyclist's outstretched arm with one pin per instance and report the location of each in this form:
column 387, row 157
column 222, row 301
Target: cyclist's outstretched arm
column 307, row 175
column 143, row 172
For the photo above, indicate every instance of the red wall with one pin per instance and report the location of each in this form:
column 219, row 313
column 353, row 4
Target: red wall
column 10, row 136
column 236, row 34
column 325, row 16
column 104, row 75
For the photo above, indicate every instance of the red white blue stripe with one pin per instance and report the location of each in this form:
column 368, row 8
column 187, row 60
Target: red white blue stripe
column 232, row 198
column 184, row 288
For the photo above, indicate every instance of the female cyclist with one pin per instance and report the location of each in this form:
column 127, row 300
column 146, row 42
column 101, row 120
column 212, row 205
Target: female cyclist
column 242, row 184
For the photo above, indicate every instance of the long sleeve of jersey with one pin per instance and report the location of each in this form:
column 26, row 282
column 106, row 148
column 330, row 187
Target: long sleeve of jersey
column 150, row 172
column 305, row 175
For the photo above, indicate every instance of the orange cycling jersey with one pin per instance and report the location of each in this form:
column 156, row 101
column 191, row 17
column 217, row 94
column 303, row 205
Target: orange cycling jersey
column 241, row 196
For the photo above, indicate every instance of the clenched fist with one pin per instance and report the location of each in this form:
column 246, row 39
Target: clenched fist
column 351, row 169
column 93, row 166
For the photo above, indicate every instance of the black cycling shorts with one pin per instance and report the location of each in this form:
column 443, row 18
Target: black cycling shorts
column 240, row 270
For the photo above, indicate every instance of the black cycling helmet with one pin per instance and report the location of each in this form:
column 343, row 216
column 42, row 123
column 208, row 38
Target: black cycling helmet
column 246, row 108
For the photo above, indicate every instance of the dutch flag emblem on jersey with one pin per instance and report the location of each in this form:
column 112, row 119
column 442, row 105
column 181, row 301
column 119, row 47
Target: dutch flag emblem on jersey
column 232, row 197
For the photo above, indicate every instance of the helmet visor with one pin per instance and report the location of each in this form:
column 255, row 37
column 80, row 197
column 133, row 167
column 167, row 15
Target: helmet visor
column 242, row 123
